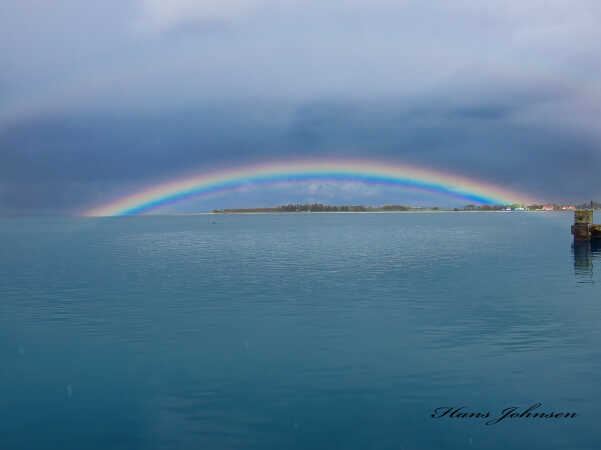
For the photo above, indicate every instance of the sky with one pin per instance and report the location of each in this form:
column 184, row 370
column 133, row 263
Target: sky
column 100, row 99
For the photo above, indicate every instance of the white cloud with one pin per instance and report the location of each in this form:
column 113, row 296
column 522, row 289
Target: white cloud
column 165, row 14
column 339, row 189
column 71, row 56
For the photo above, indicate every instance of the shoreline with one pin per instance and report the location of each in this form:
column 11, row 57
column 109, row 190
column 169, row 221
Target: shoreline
column 345, row 212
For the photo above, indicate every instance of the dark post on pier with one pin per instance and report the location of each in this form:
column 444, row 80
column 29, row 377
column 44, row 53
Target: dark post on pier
column 583, row 228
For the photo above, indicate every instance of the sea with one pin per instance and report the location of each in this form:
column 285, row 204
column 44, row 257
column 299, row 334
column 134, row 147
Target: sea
column 299, row 331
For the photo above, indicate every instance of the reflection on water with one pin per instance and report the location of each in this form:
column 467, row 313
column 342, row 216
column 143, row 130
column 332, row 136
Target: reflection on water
column 584, row 253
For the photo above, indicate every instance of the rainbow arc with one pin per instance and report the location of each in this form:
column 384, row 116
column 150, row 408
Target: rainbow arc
column 269, row 174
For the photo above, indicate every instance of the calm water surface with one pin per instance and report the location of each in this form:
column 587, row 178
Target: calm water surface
column 312, row 331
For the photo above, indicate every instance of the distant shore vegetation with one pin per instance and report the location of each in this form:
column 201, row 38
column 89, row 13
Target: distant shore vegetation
column 319, row 207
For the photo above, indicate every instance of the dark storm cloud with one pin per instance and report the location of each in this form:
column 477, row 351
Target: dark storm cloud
column 97, row 100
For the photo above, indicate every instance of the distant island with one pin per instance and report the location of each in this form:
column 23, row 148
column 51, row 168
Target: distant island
column 319, row 207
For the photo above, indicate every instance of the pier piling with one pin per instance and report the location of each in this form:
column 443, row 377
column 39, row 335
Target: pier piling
column 583, row 228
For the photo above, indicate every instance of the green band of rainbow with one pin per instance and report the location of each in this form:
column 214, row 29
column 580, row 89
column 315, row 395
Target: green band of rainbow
column 368, row 172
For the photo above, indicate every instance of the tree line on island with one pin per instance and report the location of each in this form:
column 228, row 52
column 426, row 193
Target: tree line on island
column 319, row 207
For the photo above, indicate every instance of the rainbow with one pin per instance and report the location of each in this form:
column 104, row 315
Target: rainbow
column 363, row 171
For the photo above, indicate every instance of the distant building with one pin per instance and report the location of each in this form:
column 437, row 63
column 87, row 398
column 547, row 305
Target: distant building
column 569, row 208
column 547, row 207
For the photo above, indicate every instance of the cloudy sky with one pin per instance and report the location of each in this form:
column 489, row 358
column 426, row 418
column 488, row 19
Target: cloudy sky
column 98, row 99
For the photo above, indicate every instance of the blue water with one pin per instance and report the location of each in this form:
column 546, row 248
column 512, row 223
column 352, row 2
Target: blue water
column 309, row 331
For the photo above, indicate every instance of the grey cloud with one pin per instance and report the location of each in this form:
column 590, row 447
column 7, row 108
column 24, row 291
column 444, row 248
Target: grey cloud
column 126, row 152
column 113, row 95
